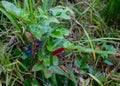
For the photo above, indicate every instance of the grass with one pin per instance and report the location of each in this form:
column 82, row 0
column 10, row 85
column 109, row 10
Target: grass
column 87, row 47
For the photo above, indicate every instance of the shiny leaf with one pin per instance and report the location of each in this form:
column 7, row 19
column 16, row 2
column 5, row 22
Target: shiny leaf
column 60, row 13
column 37, row 67
column 55, row 44
column 108, row 62
column 68, row 45
column 55, row 60
column 18, row 12
column 47, row 73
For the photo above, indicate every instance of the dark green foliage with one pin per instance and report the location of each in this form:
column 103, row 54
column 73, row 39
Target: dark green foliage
column 112, row 12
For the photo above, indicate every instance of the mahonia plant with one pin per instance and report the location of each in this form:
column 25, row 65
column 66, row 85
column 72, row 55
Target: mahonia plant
column 45, row 37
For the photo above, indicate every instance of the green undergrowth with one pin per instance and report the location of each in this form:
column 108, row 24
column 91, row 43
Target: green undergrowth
column 58, row 43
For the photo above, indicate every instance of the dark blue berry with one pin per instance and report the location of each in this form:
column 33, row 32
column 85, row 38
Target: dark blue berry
column 38, row 43
column 29, row 47
column 29, row 52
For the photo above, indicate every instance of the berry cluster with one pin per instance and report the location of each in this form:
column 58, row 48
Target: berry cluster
column 36, row 44
column 29, row 50
column 33, row 49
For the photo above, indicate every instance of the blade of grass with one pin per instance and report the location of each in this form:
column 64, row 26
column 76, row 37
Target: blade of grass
column 12, row 19
column 0, row 83
column 45, row 4
column 31, row 6
column 22, row 65
column 15, row 2
column 8, row 79
column 89, row 50
column 51, row 3
column 26, row 5
column 86, row 33
column 19, row 4
column 13, row 82
column 102, row 39
column 97, row 80
column 97, row 14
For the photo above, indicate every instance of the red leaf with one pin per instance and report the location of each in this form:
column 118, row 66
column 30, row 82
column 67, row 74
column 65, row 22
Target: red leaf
column 58, row 51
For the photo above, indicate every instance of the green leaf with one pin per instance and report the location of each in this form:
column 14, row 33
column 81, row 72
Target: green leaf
column 55, row 60
column 17, row 52
column 100, row 75
column 37, row 67
column 47, row 73
column 57, row 70
column 47, row 61
column 51, row 20
column 108, row 62
column 91, row 70
column 72, row 77
column 84, row 59
column 110, row 48
column 68, row 45
column 56, row 34
column 35, row 83
column 104, row 55
column 84, row 66
column 60, row 13
column 77, row 63
column 24, row 56
column 39, row 30
column 44, row 29
column 83, row 62
column 59, row 33
column 35, row 30
column 82, row 72
column 64, row 31
column 55, row 44
column 103, row 79
column 18, row 12
column 27, row 82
